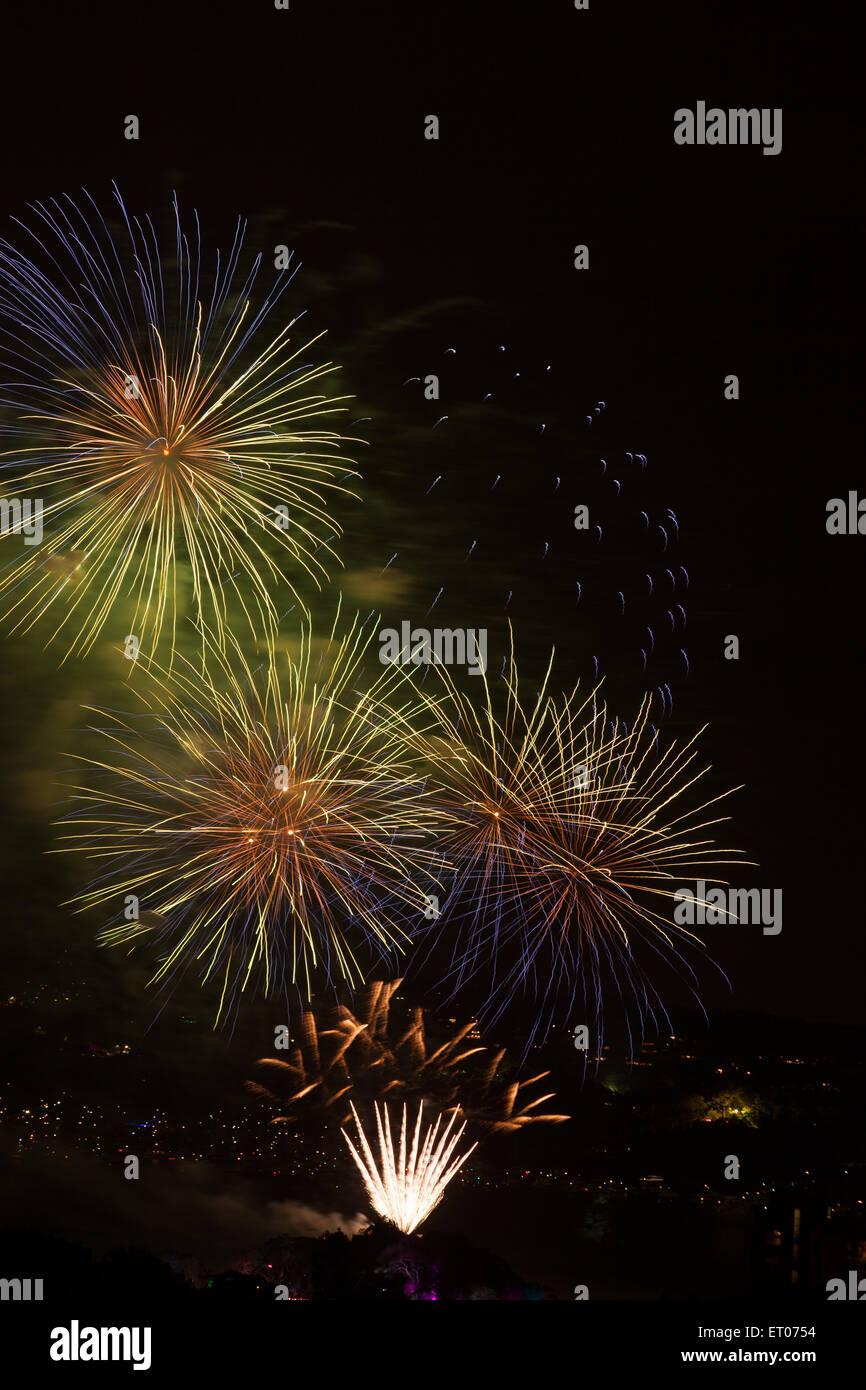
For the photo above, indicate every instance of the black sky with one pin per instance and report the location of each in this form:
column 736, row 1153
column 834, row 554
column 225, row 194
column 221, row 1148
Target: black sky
column 556, row 129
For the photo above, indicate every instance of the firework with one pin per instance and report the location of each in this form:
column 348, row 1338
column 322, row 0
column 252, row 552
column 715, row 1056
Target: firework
column 620, row 571
column 164, row 426
column 369, row 1053
column 405, row 1188
column 570, row 834
column 268, row 824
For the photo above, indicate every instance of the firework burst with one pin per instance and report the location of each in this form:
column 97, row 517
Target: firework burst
column 570, row 834
column 164, row 427
column 368, row 1052
column 268, row 824
column 404, row 1188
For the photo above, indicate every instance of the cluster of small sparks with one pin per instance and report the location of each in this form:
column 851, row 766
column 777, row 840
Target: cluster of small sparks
column 621, row 569
column 404, row 1188
column 368, row 1053
column 165, row 428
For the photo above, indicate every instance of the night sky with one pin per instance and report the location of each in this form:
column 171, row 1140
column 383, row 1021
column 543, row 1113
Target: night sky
column 556, row 128
column 455, row 257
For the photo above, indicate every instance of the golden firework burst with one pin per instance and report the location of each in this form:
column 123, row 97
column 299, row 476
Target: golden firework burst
column 174, row 443
column 266, row 818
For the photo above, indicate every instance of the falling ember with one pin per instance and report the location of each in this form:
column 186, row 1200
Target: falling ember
column 405, row 1189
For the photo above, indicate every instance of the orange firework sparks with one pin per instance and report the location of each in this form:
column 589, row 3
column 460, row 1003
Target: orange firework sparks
column 369, row 1052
